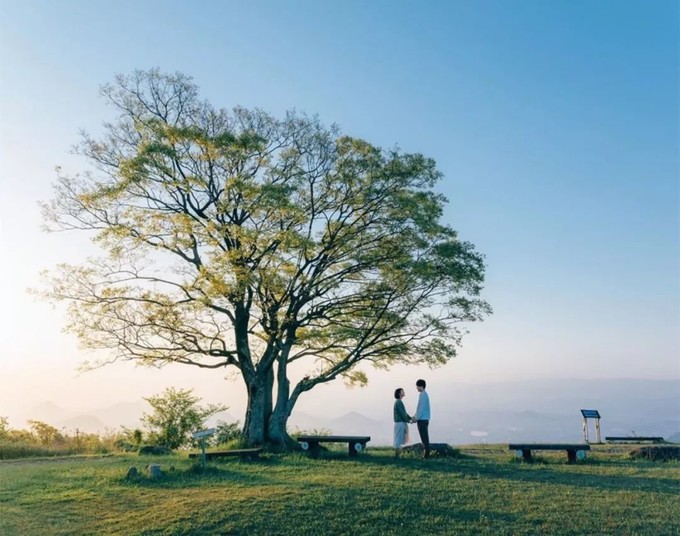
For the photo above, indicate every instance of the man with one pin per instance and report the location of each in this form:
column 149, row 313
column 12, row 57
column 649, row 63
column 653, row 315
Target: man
column 422, row 416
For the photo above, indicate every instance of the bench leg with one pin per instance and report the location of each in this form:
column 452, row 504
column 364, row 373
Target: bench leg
column 314, row 450
column 571, row 455
column 356, row 448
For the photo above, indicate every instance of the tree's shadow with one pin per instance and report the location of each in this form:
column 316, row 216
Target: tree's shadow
column 197, row 475
column 535, row 473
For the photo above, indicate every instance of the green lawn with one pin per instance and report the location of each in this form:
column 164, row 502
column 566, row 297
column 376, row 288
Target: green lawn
column 483, row 492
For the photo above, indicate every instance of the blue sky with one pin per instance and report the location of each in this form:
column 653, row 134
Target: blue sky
column 555, row 125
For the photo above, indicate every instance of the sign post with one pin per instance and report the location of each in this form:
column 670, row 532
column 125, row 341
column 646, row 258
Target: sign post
column 591, row 414
column 202, row 434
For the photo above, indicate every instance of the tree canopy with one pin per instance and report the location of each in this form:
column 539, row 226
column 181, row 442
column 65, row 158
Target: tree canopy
column 234, row 239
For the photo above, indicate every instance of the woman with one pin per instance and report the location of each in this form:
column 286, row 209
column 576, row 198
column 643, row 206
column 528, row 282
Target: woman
column 401, row 420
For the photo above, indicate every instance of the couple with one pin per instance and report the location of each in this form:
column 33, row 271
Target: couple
column 421, row 418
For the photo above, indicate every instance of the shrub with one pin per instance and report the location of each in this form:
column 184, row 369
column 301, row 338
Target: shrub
column 175, row 415
column 663, row 453
column 154, row 450
column 225, row 433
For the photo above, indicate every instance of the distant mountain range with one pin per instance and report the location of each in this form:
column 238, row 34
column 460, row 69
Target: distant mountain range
column 92, row 420
column 535, row 410
column 127, row 414
column 546, row 410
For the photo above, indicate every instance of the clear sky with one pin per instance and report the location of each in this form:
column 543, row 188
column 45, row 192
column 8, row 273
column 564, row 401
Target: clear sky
column 554, row 123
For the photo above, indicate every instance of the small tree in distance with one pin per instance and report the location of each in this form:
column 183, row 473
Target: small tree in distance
column 226, row 432
column 176, row 414
column 276, row 247
column 4, row 427
column 46, row 434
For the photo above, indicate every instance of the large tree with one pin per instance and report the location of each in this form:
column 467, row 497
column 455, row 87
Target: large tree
column 277, row 247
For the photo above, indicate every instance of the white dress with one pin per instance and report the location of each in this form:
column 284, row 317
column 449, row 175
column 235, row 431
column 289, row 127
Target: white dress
column 400, row 434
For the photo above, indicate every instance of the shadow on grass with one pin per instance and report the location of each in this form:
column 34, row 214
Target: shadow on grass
column 605, row 482
column 308, row 521
column 327, row 506
column 540, row 472
column 197, row 475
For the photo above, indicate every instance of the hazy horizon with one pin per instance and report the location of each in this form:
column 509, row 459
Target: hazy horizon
column 374, row 401
column 463, row 413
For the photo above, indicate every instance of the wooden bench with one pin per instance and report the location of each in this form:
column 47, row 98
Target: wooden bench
column 574, row 451
column 243, row 453
column 633, row 439
column 312, row 443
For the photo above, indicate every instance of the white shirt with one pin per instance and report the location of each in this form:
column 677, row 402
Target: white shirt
column 423, row 409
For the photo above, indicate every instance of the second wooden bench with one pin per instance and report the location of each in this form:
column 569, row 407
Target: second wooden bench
column 312, row 443
column 574, row 451
column 633, row 439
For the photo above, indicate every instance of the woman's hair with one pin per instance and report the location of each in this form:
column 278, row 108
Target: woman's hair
column 397, row 392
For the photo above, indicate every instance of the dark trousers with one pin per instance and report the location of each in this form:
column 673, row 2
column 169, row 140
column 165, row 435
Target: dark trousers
column 423, row 430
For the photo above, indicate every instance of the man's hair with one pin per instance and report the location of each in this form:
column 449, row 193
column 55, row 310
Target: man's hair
column 421, row 383
column 397, row 391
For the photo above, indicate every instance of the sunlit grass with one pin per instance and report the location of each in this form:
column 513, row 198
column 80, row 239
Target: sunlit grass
column 483, row 491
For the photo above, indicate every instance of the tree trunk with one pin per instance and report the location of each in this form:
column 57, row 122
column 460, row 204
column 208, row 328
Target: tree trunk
column 268, row 401
column 254, row 427
column 278, row 435
column 259, row 383
column 259, row 410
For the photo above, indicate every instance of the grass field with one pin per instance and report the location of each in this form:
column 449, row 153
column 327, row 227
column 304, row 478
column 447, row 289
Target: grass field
column 483, row 491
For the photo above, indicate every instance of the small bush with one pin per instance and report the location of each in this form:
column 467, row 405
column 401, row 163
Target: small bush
column 233, row 444
column 125, row 446
column 656, row 453
column 154, row 450
column 225, row 433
